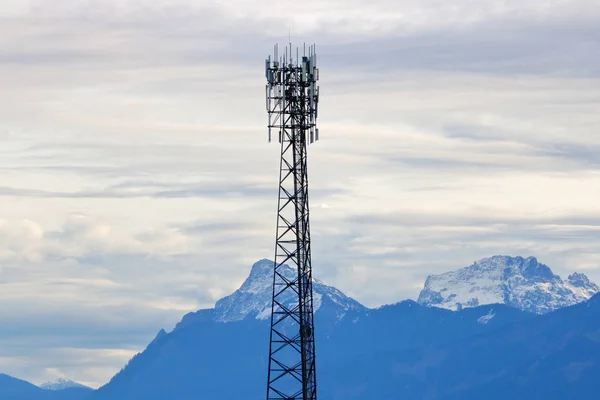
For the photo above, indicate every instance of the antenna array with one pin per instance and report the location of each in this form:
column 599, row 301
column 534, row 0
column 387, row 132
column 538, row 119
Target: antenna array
column 298, row 78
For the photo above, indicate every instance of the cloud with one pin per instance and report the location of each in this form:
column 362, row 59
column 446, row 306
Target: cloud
column 90, row 287
column 171, row 191
column 65, row 362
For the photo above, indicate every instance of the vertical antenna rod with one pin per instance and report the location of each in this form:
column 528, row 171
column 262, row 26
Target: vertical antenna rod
column 292, row 99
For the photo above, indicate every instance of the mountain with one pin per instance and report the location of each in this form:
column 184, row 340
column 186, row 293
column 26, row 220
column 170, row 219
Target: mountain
column 61, row 384
column 253, row 298
column 17, row 389
column 519, row 282
column 221, row 353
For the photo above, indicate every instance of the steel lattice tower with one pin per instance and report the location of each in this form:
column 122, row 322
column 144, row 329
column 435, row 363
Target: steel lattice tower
column 292, row 97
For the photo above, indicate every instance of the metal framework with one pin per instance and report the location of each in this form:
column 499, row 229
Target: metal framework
column 291, row 100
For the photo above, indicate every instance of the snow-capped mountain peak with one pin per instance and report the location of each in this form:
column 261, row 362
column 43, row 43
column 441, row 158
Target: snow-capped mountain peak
column 253, row 298
column 61, row 384
column 519, row 282
column 581, row 284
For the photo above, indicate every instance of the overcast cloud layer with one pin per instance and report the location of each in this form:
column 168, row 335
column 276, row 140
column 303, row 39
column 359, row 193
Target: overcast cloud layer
column 137, row 183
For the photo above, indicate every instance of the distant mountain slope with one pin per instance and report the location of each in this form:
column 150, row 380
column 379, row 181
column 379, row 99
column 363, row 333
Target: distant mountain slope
column 17, row 389
column 215, row 361
column 551, row 357
column 523, row 283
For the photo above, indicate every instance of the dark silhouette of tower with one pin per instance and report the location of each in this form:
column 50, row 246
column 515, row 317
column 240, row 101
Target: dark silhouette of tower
column 292, row 97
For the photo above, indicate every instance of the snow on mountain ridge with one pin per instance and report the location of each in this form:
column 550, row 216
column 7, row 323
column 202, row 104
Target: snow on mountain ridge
column 253, row 298
column 523, row 283
column 61, row 384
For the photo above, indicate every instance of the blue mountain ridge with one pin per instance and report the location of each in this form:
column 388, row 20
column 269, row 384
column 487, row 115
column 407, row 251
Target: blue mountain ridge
column 17, row 389
column 555, row 356
column 228, row 360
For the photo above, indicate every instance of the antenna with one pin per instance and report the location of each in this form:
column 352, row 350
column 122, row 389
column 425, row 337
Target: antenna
column 292, row 99
column 301, row 74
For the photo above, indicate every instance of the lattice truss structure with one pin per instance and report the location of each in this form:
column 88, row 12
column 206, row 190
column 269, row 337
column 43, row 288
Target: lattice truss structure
column 291, row 100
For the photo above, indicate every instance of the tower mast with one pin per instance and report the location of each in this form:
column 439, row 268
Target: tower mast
column 291, row 99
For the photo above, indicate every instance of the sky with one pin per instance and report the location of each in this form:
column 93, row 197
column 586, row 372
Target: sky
column 137, row 184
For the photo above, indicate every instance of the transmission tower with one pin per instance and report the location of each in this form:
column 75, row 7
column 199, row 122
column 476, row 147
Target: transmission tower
column 292, row 98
